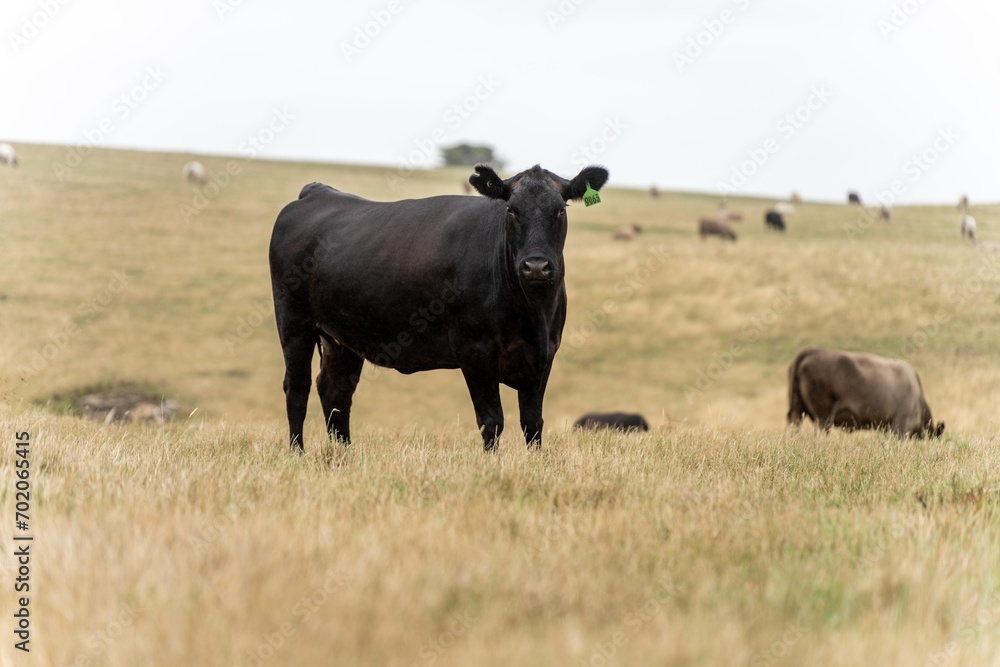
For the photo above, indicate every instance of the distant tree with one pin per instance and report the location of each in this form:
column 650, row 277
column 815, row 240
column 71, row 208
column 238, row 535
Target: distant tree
column 467, row 155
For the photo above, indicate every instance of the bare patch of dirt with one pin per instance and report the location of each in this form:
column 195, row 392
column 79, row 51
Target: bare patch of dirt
column 118, row 402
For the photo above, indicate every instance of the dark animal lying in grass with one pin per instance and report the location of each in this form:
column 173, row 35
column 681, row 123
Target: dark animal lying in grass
column 615, row 421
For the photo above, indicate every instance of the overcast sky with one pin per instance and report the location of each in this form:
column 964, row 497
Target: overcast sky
column 760, row 96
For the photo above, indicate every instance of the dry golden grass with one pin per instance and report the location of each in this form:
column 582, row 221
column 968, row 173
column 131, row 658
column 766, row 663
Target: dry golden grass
column 719, row 538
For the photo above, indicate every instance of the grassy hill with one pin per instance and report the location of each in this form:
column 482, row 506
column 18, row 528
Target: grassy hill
column 718, row 538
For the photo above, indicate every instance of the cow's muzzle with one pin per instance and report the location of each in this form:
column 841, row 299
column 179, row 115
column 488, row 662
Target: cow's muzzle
column 536, row 270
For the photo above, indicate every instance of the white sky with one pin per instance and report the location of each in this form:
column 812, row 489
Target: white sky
column 609, row 67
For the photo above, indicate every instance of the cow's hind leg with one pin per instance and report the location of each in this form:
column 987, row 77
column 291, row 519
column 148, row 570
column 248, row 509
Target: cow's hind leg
column 339, row 374
column 298, row 351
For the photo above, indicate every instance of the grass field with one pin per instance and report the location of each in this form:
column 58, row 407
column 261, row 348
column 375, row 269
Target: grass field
column 719, row 538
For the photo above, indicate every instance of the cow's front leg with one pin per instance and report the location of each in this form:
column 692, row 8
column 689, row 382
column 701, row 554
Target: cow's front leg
column 484, row 388
column 529, row 404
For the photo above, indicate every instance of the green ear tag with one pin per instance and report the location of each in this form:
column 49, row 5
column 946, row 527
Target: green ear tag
column 591, row 196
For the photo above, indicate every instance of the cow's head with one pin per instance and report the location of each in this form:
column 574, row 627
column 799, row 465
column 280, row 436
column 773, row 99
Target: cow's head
column 930, row 429
column 536, row 215
column 934, row 430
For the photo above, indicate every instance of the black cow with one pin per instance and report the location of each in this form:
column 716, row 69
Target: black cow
column 775, row 221
column 422, row 284
column 853, row 198
column 614, row 421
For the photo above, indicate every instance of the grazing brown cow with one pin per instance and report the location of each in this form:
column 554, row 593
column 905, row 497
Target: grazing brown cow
column 712, row 227
column 627, row 233
column 884, row 213
column 654, row 191
column 855, row 390
column 795, row 198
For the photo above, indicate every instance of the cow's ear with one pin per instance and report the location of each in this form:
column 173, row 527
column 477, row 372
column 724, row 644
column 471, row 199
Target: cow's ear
column 593, row 175
column 487, row 183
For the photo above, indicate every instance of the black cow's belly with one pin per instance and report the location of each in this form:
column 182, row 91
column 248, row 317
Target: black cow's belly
column 405, row 350
column 400, row 348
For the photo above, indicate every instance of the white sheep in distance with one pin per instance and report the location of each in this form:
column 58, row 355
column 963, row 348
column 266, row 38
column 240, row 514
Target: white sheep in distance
column 967, row 225
column 8, row 155
column 194, row 172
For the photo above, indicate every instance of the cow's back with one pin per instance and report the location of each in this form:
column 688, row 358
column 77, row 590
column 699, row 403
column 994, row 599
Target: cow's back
column 384, row 238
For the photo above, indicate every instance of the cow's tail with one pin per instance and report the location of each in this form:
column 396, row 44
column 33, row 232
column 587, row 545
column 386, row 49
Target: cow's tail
column 796, row 404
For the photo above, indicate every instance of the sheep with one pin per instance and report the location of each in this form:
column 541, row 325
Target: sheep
column 967, row 225
column 194, row 172
column 627, row 233
column 712, row 227
column 725, row 215
column 8, row 155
